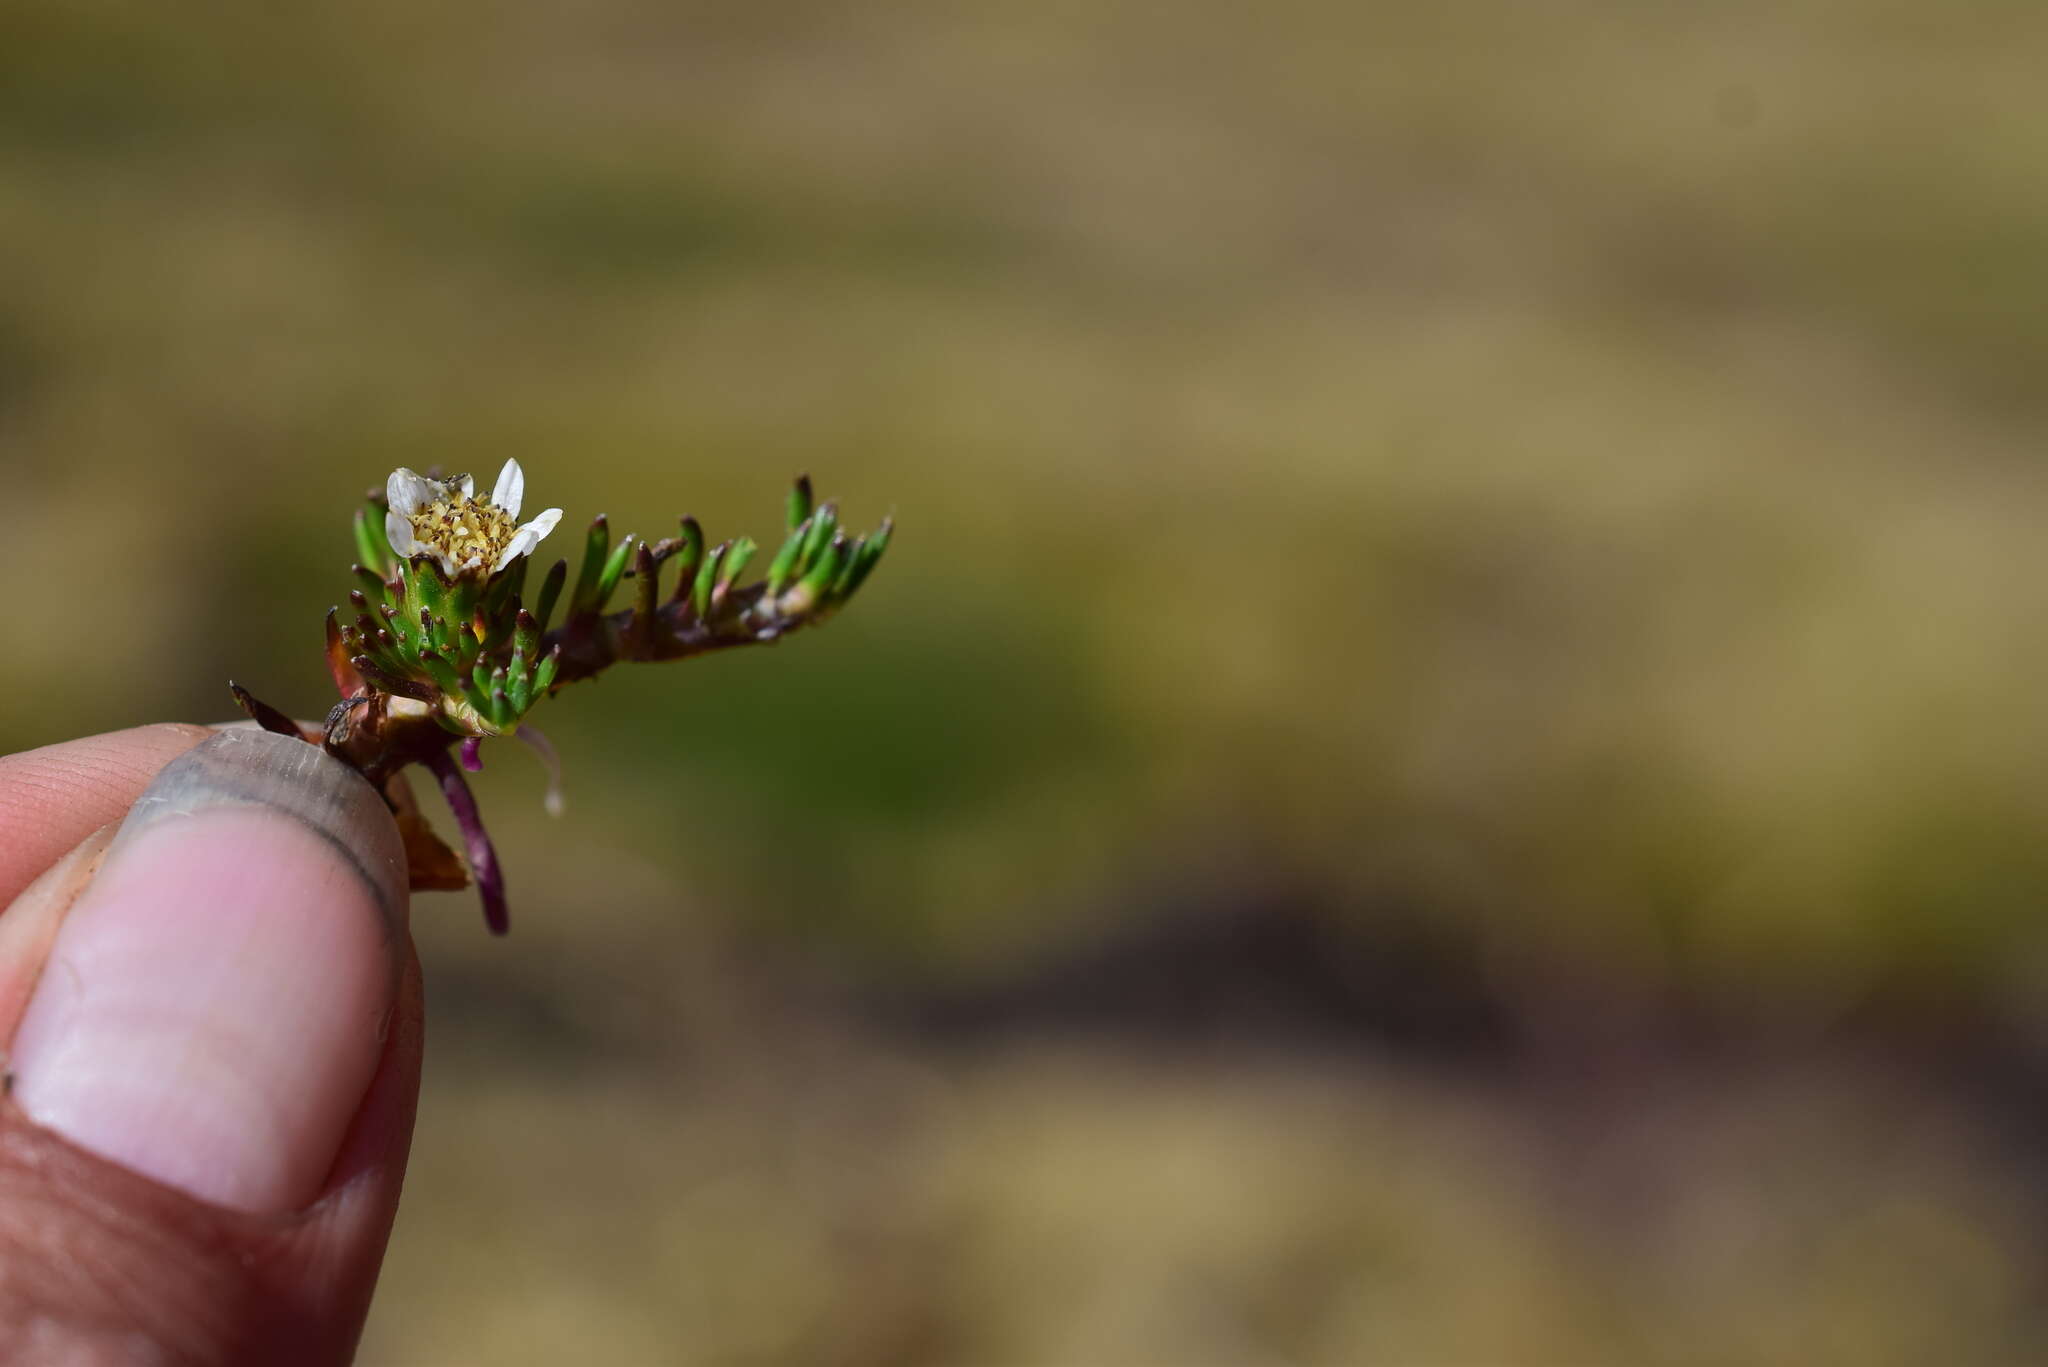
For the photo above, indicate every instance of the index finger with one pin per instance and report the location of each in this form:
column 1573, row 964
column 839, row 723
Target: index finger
column 54, row 797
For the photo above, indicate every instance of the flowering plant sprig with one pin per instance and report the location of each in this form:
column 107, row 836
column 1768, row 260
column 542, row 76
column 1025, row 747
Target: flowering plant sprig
column 442, row 648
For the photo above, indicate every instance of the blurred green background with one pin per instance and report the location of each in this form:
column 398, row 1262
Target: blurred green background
column 1446, row 768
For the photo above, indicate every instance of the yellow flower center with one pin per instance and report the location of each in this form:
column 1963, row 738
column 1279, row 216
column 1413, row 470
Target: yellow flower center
column 464, row 529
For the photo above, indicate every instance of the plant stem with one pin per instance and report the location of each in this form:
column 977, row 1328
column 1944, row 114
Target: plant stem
column 483, row 857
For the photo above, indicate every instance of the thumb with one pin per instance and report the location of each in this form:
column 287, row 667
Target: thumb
column 213, row 1077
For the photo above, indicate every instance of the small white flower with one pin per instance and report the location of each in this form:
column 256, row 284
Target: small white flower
column 466, row 534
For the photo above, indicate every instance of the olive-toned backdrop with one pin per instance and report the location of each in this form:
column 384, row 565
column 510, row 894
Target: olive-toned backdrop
column 1447, row 767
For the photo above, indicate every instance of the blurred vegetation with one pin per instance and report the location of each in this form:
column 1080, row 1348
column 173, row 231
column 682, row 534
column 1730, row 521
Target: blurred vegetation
column 1561, row 482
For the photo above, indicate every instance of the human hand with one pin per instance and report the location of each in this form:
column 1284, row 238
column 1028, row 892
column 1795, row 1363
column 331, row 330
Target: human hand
column 214, row 1010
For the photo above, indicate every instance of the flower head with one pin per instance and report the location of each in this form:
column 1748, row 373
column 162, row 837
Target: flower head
column 466, row 534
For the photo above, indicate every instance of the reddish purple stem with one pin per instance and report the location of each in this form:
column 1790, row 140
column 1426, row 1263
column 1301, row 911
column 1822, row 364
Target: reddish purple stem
column 483, row 858
column 472, row 754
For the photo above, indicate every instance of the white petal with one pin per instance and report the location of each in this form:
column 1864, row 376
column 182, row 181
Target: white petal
column 408, row 492
column 545, row 748
column 522, row 543
column 464, row 483
column 511, row 490
column 398, row 531
column 543, row 524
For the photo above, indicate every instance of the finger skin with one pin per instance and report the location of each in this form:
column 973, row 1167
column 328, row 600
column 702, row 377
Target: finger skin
column 31, row 923
column 54, row 797
column 98, row 1264
column 212, row 1008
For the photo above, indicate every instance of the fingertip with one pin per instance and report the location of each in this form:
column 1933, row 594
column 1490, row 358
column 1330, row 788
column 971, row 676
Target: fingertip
column 214, row 1005
column 31, row 922
column 53, row 797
